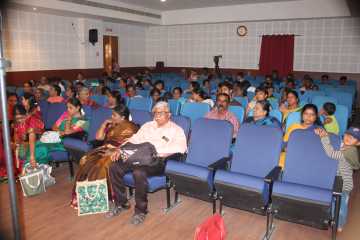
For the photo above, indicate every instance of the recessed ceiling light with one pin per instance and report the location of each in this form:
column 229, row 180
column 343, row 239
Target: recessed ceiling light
column 162, row 0
column 34, row 8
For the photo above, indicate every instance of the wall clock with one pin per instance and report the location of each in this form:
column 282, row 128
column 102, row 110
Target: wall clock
column 242, row 31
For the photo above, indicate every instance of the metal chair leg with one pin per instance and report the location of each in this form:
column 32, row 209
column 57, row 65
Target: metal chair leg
column 335, row 221
column 269, row 222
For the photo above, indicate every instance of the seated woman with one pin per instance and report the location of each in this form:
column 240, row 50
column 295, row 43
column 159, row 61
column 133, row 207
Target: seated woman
column 261, row 115
column 199, row 96
column 27, row 129
column 113, row 132
column 114, row 99
column 309, row 119
column 291, row 105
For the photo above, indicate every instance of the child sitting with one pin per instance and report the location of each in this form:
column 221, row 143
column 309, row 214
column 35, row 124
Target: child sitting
column 330, row 123
column 260, row 95
column 346, row 156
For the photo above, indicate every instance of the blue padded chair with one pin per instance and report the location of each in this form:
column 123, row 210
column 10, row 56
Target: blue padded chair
column 309, row 183
column 343, row 98
column 100, row 99
column 140, row 103
column 342, row 116
column 44, row 105
column 320, row 100
column 140, row 116
column 144, row 93
column 194, row 111
column 276, row 114
column 156, row 183
column 294, row 117
column 243, row 186
column 238, row 111
column 243, row 100
column 54, row 112
column 77, row 147
column 174, row 106
column 194, row 176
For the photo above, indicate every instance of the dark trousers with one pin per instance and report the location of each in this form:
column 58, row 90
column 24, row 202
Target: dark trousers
column 140, row 173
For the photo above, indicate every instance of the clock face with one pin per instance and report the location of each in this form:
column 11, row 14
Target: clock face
column 242, row 31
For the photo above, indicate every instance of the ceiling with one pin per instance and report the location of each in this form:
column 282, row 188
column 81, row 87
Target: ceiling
column 187, row 4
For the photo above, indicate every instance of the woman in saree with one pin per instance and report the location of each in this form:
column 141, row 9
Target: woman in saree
column 70, row 123
column 309, row 119
column 290, row 105
column 113, row 133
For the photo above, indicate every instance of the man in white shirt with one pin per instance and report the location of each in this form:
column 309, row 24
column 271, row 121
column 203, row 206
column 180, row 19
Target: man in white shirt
column 168, row 139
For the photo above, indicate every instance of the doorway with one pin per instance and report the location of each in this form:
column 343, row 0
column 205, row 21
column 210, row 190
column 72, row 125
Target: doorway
column 110, row 51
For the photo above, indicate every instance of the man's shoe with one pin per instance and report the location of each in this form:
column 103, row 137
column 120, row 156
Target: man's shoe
column 138, row 218
column 116, row 210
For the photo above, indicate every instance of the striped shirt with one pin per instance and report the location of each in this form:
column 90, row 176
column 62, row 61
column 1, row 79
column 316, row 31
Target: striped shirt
column 344, row 168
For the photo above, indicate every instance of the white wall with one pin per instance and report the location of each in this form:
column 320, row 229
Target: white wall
column 36, row 41
column 299, row 9
column 329, row 45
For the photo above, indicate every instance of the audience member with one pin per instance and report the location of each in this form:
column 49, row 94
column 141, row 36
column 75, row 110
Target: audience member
column 114, row 99
column 155, row 95
column 55, row 95
column 261, row 115
column 112, row 133
column 291, row 104
column 343, row 81
column 260, row 95
column 44, row 84
column 131, row 91
column 28, row 87
column 227, row 88
column 221, row 112
column 199, row 96
column 11, row 102
column 330, row 122
column 168, row 139
column 85, row 100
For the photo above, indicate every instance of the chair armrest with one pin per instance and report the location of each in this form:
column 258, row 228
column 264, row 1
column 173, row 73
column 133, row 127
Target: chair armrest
column 219, row 164
column 337, row 186
column 273, row 175
column 179, row 157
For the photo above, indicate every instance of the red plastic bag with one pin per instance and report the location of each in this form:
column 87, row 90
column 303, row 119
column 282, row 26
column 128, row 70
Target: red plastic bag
column 212, row 228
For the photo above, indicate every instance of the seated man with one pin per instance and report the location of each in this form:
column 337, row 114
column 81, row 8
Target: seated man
column 55, row 94
column 168, row 139
column 221, row 112
column 84, row 97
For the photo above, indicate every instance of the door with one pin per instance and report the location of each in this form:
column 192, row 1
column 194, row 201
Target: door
column 110, row 51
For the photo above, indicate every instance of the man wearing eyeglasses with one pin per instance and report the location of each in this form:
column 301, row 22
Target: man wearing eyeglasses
column 168, row 139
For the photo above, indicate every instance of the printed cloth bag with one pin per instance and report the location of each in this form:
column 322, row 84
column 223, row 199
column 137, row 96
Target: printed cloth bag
column 46, row 169
column 33, row 182
column 92, row 197
column 50, row 137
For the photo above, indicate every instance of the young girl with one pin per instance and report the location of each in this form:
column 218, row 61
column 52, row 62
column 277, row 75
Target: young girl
column 348, row 154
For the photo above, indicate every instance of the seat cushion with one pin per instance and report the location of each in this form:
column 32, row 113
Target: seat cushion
column 155, row 182
column 241, row 180
column 302, row 192
column 189, row 170
column 59, row 156
column 76, row 144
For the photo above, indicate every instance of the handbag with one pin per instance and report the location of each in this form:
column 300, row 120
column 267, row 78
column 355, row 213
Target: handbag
column 33, row 182
column 143, row 154
column 213, row 228
column 50, row 137
column 92, row 197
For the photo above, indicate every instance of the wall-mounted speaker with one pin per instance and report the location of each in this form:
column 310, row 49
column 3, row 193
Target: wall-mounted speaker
column 93, row 36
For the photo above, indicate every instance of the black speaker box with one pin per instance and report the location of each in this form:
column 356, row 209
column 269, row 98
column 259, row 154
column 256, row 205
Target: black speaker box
column 93, row 36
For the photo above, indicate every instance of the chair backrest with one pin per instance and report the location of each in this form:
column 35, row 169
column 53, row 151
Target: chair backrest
column 195, row 110
column 99, row 99
column 257, row 150
column 243, row 100
column 144, row 93
column 184, row 123
column 274, row 102
column 88, row 111
column 343, row 98
column 238, row 111
column 98, row 116
column 276, row 114
column 210, row 141
column 320, row 100
column 342, row 116
column 140, row 103
column 294, row 117
column 54, row 112
column 174, row 106
column 44, row 105
column 306, row 161
column 140, row 116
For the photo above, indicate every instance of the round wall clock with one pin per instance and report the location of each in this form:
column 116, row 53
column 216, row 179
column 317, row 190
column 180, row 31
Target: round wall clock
column 242, row 31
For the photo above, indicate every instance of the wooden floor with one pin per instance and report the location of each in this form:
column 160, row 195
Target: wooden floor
column 48, row 216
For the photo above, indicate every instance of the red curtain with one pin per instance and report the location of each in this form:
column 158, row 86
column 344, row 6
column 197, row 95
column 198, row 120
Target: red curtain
column 277, row 53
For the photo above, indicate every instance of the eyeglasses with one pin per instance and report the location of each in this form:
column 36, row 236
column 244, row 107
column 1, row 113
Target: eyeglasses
column 160, row 113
